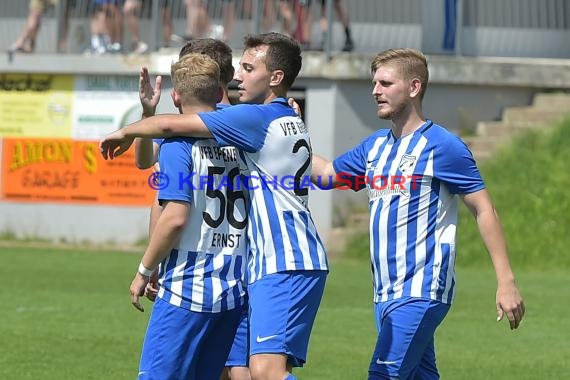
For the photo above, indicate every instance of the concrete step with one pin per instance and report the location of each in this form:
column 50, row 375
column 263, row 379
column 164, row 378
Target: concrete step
column 485, row 143
column 559, row 100
column 482, row 156
column 505, row 130
column 532, row 115
column 492, row 128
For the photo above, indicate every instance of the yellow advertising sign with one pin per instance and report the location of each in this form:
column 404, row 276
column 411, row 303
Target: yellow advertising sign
column 36, row 105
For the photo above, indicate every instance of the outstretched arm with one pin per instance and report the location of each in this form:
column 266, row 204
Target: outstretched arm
column 160, row 126
column 323, row 174
column 508, row 298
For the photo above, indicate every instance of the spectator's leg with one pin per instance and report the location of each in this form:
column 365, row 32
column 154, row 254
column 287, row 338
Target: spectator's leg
column 198, row 21
column 114, row 25
column 99, row 31
column 287, row 15
column 27, row 40
column 268, row 15
column 342, row 14
column 167, row 28
column 229, row 17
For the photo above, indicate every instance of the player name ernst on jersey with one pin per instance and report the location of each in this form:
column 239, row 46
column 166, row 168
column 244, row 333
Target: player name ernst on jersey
column 225, row 240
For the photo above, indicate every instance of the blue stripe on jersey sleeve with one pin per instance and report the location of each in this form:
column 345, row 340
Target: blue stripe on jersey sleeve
column 175, row 161
column 455, row 166
column 243, row 126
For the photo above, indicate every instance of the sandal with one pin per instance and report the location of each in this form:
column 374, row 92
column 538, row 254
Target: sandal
column 21, row 49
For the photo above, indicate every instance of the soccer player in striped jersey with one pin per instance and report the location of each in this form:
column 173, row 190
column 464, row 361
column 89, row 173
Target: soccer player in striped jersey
column 200, row 241
column 146, row 154
column 414, row 173
column 287, row 264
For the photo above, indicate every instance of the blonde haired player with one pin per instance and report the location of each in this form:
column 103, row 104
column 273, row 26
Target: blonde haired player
column 199, row 239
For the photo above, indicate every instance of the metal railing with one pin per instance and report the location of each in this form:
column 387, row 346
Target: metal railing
column 375, row 24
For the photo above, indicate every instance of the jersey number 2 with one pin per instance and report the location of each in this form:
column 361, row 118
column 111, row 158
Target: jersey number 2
column 299, row 191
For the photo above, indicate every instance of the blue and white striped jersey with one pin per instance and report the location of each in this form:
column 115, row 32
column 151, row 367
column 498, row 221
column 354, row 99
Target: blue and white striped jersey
column 413, row 184
column 205, row 270
column 275, row 158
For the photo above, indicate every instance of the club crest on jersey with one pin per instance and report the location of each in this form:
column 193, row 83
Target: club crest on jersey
column 406, row 163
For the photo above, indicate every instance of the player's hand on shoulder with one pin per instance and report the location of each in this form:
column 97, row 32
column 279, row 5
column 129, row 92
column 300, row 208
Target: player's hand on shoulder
column 296, row 107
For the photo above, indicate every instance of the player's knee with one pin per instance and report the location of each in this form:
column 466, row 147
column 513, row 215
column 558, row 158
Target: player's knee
column 259, row 370
column 240, row 373
column 266, row 369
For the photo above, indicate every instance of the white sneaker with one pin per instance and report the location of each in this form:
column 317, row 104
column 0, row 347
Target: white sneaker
column 217, row 32
column 140, row 48
column 114, row 48
column 177, row 39
column 95, row 50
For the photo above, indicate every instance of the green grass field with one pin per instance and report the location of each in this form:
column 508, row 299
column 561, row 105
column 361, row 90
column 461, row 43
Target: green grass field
column 65, row 314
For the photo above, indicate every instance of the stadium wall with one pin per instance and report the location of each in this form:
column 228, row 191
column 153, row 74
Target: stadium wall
column 338, row 109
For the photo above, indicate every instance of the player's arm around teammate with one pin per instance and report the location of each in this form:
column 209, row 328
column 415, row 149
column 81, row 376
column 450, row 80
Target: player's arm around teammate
column 200, row 300
column 285, row 296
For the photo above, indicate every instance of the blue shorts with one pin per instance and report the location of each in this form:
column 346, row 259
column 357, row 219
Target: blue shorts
column 239, row 354
column 182, row 344
column 405, row 348
column 282, row 310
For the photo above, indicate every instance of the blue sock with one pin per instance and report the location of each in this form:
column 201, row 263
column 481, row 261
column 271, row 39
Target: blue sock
column 290, row 377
